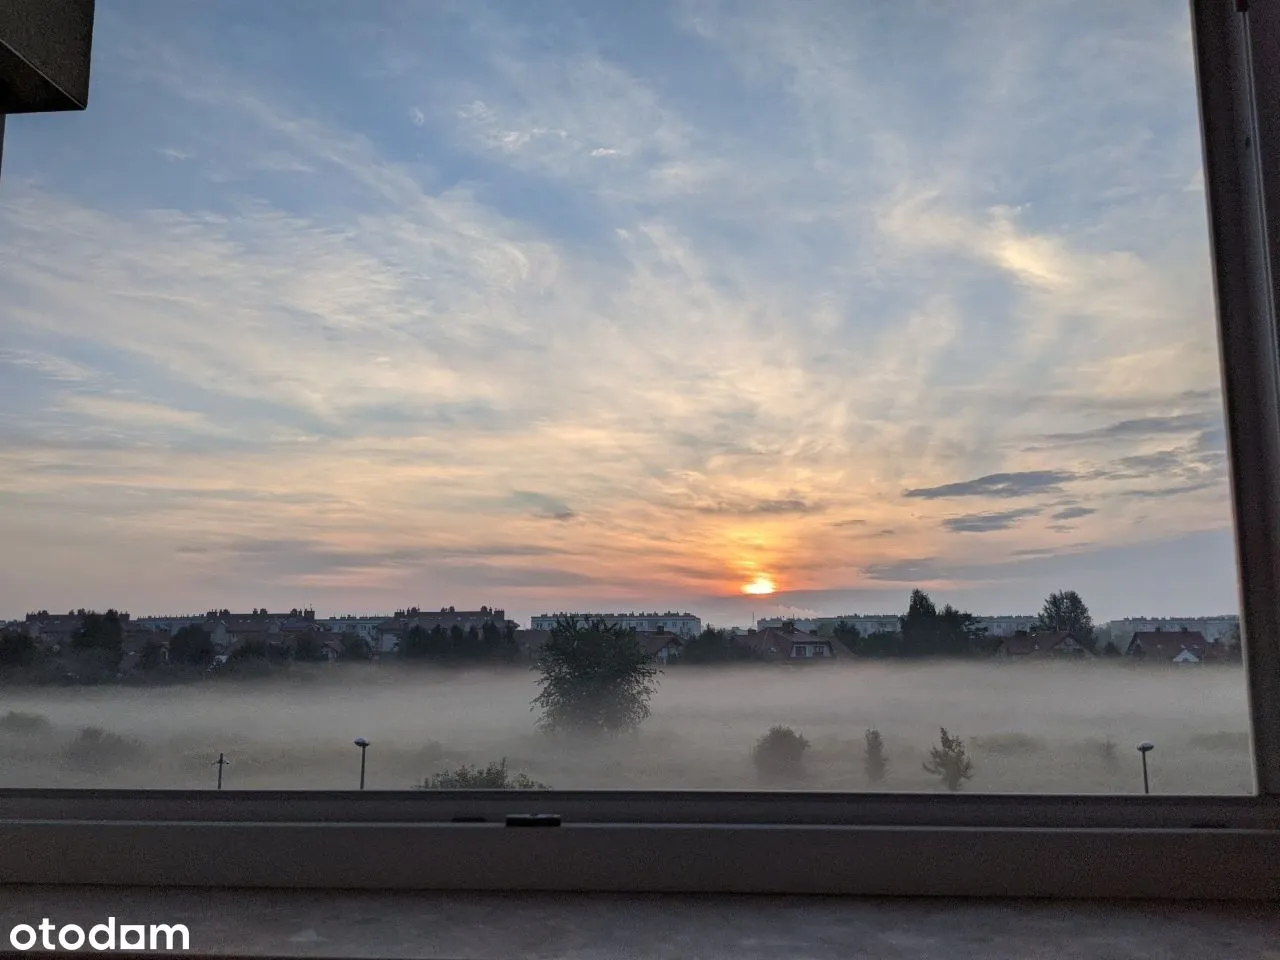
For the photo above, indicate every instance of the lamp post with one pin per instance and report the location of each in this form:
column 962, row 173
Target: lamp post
column 221, row 762
column 363, row 744
column 1145, row 747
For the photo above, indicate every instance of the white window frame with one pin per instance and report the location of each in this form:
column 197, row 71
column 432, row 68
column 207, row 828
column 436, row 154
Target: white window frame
column 875, row 843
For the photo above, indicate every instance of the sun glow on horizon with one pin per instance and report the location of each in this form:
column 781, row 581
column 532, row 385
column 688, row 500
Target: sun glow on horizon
column 760, row 586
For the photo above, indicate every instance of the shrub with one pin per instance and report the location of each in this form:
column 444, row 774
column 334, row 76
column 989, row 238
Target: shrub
column 875, row 762
column 949, row 761
column 779, row 752
column 98, row 749
column 16, row 721
column 492, row 777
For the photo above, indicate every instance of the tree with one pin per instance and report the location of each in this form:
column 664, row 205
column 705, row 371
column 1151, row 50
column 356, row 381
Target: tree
column 307, row 648
column 716, row 646
column 250, row 650
column 780, row 752
column 191, row 645
column 354, row 647
column 878, row 645
column 949, row 761
column 594, row 677
column 928, row 632
column 498, row 644
column 17, row 648
column 419, row 644
column 875, row 763
column 151, row 655
column 1065, row 611
column 99, row 631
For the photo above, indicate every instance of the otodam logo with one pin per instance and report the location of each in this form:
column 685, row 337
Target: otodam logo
column 101, row 937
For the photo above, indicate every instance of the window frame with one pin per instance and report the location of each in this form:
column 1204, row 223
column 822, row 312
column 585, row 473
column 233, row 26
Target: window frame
column 874, row 843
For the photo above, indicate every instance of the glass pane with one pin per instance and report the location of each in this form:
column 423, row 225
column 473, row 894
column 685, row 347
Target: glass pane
column 423, row 326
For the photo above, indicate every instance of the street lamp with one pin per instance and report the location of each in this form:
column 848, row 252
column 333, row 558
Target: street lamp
column 363, row 744
column 1145, row 747
column 221, row 762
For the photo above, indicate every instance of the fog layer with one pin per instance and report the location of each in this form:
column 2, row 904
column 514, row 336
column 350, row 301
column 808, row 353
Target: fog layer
column 1029, row 728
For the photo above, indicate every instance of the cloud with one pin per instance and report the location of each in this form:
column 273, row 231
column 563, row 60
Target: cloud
column 1021, row 484
column 987, row 522
column 1161, row 493
column 766, row 507
column 1143, row 428
column 1074, row 513
column 918, row 570
column 542, row 505
column 49, row 366
column 702, row 287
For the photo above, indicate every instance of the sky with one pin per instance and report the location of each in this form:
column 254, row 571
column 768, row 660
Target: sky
column 600, row 305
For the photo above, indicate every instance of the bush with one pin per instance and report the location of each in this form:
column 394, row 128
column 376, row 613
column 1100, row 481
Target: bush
column 97, row 749
column 17, row 722
column 779, row 752
column 492, row 777
column 949, row 761
column 875, row 763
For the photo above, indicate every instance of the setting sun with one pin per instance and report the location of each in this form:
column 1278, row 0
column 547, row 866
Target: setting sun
column 760, row 585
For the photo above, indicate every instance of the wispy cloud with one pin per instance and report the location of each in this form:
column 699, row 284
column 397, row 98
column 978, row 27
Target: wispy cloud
column 1074, row 513
column 987, row 522
column 997, row 485
column 625, row 317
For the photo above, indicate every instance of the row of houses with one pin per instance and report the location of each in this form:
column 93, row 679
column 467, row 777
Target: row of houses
column 681, row 624
column 1224, row 628
column 1153, row 646
column 663, row 634
column 1003, row 625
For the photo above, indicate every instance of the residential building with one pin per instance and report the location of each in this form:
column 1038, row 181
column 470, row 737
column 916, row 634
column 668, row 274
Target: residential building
column 170, row 624
column 1008, row 625
column 1214, row 629
column 1002, row 625
column 865, row 624
column 51, row 631
column 786, row 645
column 388, row 634
column 363, row 627
column 1049, row 645
column 663, row 647
column 803, row 624
column 681, row 624
column 1174, row 646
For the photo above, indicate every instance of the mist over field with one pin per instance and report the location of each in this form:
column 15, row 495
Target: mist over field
column 1028, row 727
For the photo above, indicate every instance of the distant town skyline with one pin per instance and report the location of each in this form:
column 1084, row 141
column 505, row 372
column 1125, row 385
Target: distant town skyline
column 737, row 308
